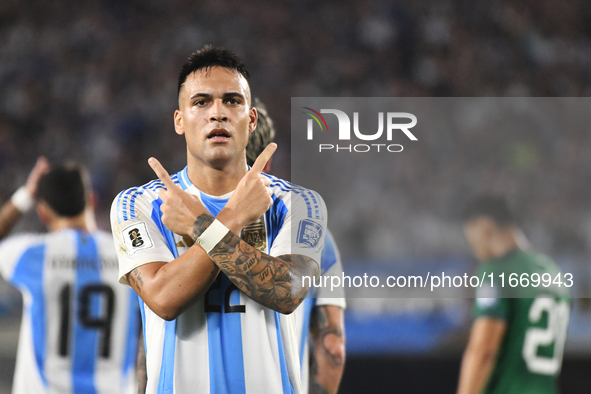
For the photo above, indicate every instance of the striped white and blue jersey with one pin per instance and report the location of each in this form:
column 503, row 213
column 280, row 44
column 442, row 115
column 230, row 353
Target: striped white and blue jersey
column 225, row 342
column 330, row 265
column 80, row 327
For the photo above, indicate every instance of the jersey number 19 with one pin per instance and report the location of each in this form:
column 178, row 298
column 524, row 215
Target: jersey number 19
column 85, row 317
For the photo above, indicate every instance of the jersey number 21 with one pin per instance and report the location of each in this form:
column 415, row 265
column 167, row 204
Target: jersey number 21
column 554, row 333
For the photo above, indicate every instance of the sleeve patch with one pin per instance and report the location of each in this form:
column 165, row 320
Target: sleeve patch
column 487, row 297
column 309, row 233
column 485, row 303
column 136, row 237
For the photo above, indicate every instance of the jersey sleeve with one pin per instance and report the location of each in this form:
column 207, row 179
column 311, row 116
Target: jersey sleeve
column 304, row 226
column 11, row 251
column 331, row 266
column 335, row 296
column 489, row 302
column 138, row 238
column 497, row 308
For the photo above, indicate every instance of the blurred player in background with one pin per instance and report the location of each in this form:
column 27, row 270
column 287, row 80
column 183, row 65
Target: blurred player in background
column 321, row 314
column 517, row 339
column 79, row 327
column 217, row 308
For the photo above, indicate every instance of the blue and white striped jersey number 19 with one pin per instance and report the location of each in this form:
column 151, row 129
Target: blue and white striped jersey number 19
column 330, row 265
column 80, row 326
column 225, row 342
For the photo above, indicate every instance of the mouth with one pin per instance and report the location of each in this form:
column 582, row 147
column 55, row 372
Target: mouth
column 218, row 135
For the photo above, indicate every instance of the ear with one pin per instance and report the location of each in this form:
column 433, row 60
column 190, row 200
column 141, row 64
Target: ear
column 253, row 117
column 44, row 212
column 489, row 227
column 178, row 122
column 91, row 200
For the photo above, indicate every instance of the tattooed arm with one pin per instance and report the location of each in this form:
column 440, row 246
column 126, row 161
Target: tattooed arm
column 168, row 288
column 275, row 282
column 327, row 331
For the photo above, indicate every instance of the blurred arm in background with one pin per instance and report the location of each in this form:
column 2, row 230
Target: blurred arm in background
column 479, row 357
column 142, row 374
column 327, row 330
column 23, row 199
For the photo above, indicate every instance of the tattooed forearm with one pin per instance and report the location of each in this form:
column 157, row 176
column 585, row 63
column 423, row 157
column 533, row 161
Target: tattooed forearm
column 272, row 282
column 203, row 221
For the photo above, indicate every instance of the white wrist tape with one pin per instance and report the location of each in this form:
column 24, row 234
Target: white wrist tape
column 212, row 235
column 22, row 199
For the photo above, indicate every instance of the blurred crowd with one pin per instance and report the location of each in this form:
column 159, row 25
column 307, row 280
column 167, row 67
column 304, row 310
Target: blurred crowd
column 95, row 81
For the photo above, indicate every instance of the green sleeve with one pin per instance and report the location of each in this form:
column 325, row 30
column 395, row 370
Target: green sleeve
column 489, row 300
column 496, row 307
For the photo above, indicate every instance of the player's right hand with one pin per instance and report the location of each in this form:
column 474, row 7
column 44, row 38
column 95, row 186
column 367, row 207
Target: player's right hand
column 253, row 196
column 179, row 208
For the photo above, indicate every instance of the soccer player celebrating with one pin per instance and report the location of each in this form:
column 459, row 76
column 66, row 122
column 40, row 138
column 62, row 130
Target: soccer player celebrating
column 216, row 308
column 516, row 343
column 321, row 314
column 79, row 327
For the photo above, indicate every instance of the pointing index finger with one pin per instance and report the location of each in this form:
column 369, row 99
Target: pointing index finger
column 161, row 173
column 264, row 157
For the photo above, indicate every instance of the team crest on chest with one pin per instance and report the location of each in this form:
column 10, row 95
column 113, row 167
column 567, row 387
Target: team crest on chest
column 255, row 235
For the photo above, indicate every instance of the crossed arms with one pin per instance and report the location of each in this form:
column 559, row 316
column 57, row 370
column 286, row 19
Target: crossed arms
column 169, row 287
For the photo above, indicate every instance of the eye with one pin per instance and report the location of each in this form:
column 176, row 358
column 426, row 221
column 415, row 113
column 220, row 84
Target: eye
column 200, row 103
column 233, row 101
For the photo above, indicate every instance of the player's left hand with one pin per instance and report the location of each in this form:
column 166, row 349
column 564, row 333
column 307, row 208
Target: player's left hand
column 179, row 208
column 253, row 196
column 41, row 168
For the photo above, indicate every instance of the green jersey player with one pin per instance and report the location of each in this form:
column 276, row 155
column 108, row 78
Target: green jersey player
column 517, row 339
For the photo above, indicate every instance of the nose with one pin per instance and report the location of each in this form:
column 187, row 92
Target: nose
column 218, row 113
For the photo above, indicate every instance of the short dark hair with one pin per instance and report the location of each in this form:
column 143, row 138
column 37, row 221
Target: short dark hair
column 63, row 188
column 262, row 135
column 208, row 57
column 492, row 206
